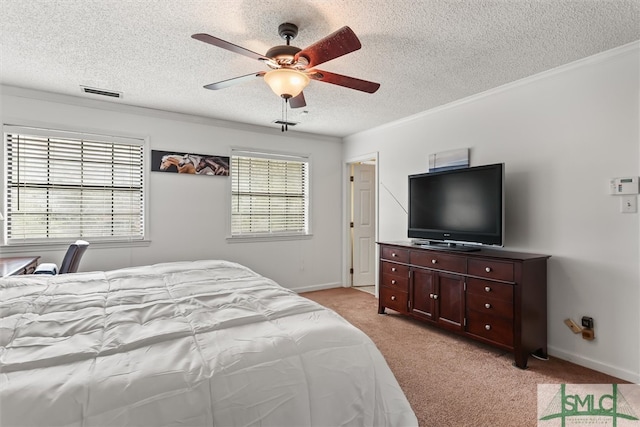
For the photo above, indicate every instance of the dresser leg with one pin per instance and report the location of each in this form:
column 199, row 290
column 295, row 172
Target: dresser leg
column 521, row 359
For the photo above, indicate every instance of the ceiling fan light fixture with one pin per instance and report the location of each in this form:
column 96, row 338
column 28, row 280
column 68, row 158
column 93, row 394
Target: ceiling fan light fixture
column 286, row 82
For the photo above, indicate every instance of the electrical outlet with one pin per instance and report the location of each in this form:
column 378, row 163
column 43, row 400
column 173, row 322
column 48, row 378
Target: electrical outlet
column 587, row 322
column 573, row 326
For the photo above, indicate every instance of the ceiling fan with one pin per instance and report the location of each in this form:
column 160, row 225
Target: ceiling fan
column 291, row 68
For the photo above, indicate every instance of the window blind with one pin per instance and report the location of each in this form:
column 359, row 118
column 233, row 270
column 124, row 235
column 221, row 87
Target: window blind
column 63, row 186
column 269, row 194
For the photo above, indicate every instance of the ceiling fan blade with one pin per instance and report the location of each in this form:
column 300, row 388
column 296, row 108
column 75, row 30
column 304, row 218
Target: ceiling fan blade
column 346, row 81
column 333, row 46
column 229, row 46
column 234, row 81
column 297, row 101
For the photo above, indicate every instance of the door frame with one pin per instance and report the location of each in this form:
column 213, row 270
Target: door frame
column 346, row 216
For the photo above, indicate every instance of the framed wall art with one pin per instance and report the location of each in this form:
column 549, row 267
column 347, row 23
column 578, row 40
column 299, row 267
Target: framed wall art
column 189, row 163
column 452, row 159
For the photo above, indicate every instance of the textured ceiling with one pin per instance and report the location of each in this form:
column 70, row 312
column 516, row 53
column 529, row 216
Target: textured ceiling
column 423, row 53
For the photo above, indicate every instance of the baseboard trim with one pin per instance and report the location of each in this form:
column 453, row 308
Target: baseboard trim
column 320, row 287
column 615, row 371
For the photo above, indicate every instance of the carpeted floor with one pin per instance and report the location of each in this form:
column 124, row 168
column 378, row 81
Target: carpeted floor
column 451, row 380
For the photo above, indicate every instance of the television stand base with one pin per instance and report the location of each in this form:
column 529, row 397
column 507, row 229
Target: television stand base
column 447, row 246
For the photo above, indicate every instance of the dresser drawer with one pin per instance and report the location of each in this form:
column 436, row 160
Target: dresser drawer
column 490, row 269
column 394, row 299
column 395, row 269
column 492, row 328
column 490, row 306
column 395, row 282
column 494, row 290
column 440, row 261
column 395, row 254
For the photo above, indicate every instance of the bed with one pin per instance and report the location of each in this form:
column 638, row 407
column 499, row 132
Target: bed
column 202, row 343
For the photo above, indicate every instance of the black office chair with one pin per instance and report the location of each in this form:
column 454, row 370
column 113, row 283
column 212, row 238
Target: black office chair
column 70, row 262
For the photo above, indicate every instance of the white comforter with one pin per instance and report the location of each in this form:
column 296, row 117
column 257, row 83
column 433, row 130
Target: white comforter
column 205, row 343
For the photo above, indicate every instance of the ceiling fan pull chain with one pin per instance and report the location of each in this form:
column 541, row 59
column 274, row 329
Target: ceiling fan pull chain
column 285, row 126
column 285, row 114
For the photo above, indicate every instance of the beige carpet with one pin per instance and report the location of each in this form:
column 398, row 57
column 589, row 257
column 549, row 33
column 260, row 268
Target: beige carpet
column 450, row 380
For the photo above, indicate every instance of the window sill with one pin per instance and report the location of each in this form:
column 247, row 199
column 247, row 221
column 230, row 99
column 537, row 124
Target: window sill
column 267, row 238
column 44, row 246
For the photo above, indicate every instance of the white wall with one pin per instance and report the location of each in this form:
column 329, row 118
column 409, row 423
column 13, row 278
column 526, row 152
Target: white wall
column 188, row 213
column 561, row 135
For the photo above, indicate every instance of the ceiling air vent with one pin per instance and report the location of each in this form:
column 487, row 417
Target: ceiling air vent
column 101, row 92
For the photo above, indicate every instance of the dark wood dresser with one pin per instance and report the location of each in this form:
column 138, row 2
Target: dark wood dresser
column 14, row 266
column 493, row 296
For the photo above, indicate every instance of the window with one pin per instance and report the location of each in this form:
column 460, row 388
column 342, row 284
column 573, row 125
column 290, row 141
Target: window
column 62, row 186
column 269, row 194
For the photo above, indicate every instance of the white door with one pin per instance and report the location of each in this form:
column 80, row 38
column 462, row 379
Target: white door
column 363, row 218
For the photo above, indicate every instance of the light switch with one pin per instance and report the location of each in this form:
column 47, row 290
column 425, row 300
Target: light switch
column 629, row 204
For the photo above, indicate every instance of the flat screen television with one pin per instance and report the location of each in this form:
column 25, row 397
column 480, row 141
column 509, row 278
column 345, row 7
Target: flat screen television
column 459, row 208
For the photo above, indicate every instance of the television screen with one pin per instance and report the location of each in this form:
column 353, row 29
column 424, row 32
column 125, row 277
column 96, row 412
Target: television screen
column 458, row 206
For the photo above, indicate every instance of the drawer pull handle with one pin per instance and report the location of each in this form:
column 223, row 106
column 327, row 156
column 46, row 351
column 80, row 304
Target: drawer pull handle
column 488, row 269
column 487, row 327
column 434, row 261
column 431, row 296
column 487, row 289
column 487, row 305
column 393, row 254
column 393, row 282
column 393, row 269
column 393, row 297
column 435, row 296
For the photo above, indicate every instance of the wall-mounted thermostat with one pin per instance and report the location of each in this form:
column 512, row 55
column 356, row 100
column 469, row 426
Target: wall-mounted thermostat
column 620, row 186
